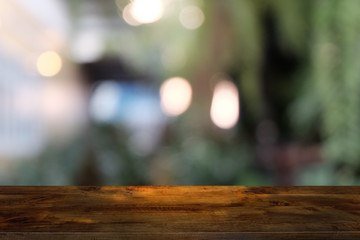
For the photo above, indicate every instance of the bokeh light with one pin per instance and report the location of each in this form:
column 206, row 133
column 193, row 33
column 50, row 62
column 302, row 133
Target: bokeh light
column 103, row 103
column 191, row 17
column 49, row 64
column 87, row 46
column 147, row 11
column 175, row 96
column 128, row 17
column 225, row 105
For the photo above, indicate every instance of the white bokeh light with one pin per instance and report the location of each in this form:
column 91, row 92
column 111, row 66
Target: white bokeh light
column 175, row 96
column 224, row 110
column 127, row 16
column 88, row 46
column 191, row 17
column 104, row 102
column 146, row 11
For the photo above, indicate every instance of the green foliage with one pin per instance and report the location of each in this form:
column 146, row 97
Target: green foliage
column 321, row 96
column 334, row 79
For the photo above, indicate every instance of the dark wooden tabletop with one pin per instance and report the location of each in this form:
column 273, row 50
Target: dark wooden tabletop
column 179, row 212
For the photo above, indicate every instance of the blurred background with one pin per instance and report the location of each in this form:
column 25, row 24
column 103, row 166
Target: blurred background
column 179, row 92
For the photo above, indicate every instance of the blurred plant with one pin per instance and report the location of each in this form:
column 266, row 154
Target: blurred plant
column 296, row 65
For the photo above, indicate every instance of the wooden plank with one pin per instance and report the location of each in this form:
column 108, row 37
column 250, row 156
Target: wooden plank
column 200, row 212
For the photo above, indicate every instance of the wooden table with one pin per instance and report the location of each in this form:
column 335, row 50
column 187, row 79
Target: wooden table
column 179, row 213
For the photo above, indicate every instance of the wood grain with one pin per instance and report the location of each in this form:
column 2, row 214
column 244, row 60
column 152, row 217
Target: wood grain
column 200, row 212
